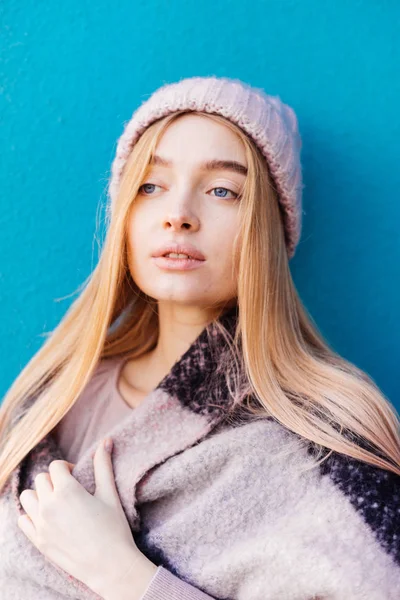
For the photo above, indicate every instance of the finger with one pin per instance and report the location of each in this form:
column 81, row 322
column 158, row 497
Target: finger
column 104, row 474
column 43, row 486
column 26, row 525
column 30, row 503
column 70, row 465
column 60, row 472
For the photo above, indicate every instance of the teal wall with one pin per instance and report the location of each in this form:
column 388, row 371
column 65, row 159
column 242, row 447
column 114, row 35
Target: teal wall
column 71, row 74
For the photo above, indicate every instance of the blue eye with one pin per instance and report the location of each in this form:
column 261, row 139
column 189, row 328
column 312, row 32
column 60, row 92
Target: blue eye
column 147, row 184
column 226, row 190
column 147, row 193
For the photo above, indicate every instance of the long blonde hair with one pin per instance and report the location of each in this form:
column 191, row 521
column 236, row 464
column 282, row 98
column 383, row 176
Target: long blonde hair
column 290, row 369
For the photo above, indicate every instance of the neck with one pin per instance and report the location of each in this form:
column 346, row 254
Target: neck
column 178, row 330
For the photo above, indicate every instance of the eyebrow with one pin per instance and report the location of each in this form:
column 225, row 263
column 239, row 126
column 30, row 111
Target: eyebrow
column 210, row 165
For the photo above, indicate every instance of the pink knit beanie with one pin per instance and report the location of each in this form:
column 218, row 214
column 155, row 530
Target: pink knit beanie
column 270, row 123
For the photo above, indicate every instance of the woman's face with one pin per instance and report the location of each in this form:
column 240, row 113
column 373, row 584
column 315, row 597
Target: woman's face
column 185, row 203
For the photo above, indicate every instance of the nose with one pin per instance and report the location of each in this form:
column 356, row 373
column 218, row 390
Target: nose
column 181, row 217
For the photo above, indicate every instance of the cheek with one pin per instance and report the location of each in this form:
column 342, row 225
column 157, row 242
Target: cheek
column 224, row 264
column 137, row 244
column 139, row 224
column 226, row 246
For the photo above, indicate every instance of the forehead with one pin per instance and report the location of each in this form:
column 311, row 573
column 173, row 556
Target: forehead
column 196, row 139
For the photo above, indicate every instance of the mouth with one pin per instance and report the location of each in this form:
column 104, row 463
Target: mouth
column 179, row 256
column 173, row 261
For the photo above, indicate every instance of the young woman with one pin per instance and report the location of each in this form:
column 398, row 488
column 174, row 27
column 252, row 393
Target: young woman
column 249, row 460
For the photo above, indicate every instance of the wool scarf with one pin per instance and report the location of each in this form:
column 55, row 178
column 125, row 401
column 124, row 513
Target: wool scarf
column 235, row 507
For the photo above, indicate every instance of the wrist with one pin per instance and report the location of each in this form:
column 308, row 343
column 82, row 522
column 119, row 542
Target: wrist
column 131, row 580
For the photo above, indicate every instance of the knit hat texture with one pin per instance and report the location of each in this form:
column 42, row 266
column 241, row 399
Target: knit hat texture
column 270, row 123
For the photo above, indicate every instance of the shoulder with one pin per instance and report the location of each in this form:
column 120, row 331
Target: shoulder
column 373, row 492
column 91, row 396
column 101, row 375
column 286, row 461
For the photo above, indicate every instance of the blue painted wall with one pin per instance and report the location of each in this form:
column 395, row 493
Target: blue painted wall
column 72, row 73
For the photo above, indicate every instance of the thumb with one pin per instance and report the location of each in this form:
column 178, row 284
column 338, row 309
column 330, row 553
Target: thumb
column 70, row 465
column 104, row 474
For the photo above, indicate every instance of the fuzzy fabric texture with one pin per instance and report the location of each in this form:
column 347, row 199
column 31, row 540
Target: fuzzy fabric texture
column 223, row 506
column 270, row 123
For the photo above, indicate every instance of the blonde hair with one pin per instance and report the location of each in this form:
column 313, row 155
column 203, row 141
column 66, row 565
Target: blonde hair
column 290, row 369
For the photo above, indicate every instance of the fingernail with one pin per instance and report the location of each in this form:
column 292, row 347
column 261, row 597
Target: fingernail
column 108, row 445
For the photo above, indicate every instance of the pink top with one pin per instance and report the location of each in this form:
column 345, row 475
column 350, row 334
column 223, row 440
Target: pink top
column 99, row 407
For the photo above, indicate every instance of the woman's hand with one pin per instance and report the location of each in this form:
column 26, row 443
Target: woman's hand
column 86, row 535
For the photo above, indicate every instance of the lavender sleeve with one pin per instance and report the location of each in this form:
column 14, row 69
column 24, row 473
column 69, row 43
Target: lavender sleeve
column 167, row 586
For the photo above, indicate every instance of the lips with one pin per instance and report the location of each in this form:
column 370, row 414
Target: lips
column 177, row 264
column 188, row 249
